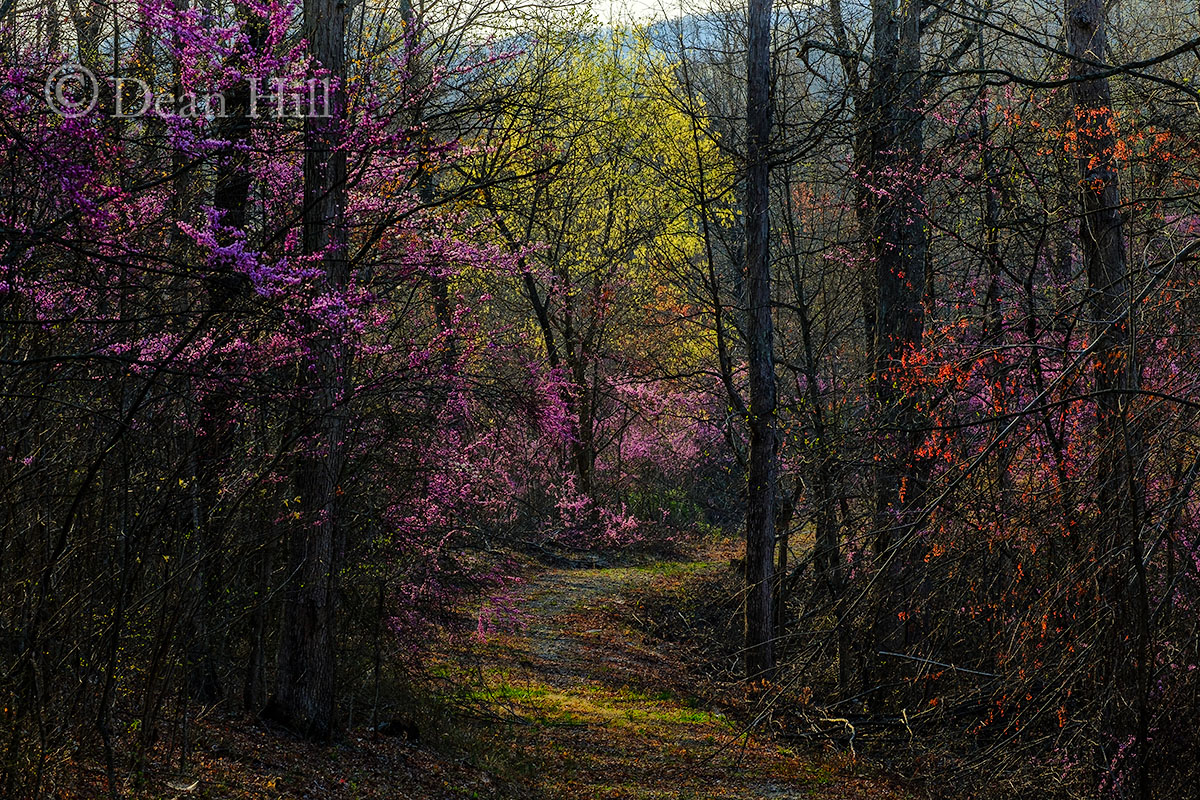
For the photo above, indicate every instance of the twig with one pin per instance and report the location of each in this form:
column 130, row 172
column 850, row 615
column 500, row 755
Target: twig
column 937, row 664
column 848, row 725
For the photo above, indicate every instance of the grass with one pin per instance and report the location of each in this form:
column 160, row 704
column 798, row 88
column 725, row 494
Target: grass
column 586, row 703
column 673, row 569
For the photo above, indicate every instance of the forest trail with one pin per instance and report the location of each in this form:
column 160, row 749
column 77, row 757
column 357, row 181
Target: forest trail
column 579, row 704
column 602, row 711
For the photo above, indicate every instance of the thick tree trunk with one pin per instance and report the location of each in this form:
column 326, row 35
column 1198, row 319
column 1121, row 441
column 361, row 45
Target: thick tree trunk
column 760, row 499
column 213, row 448
column 1125, row 667
column 898, row 248
column 304, row 686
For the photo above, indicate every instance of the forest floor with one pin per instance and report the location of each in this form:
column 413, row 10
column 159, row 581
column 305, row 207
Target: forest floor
column 581, row 703
column 607, row 711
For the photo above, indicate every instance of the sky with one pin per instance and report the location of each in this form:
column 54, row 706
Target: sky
column 641, row 9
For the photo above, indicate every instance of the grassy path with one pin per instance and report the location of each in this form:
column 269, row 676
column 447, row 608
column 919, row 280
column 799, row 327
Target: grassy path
column 579, row 705
column 602, row 712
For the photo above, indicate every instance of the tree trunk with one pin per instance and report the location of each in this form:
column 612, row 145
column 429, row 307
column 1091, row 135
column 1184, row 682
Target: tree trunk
column 304, row 684
column 1124, row 668
column 898, row 248
column 760, row 498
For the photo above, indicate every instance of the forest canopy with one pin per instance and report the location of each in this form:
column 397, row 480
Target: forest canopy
column 331, row 331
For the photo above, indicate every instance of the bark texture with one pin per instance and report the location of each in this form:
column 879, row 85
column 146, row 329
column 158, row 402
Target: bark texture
column 1126, row 668
column 760, row 499
column 304, row 697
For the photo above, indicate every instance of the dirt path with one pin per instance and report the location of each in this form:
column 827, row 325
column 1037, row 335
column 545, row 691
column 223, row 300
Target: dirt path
column 580, row 705
column 603, row 712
